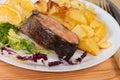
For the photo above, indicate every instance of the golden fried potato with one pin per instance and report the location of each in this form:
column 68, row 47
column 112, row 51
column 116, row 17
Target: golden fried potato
column 67, row 22
column 79, row 32
column 72, row 23
column 103, row 44
column 96, row 38
column 76, row 15
column 41, row 6
column 58, row 17
column 89, row 31
column 74, row 4
column 89, row 45
column 99, row 28
column 101, row 31
column 90, row 16
column 91, row 9
column 54, row 9
column 62, row 2
column 70, row 3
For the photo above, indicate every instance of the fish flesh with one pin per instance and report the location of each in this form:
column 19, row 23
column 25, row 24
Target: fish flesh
column 50, row 34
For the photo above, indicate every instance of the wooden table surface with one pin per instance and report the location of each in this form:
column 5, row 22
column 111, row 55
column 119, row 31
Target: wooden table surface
column 107, row 70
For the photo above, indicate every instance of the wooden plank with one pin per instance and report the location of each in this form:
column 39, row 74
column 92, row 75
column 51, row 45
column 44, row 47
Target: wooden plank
column 107, row 70
column 116, row 2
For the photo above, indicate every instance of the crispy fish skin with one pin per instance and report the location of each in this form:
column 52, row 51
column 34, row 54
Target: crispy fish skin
column 50, row 34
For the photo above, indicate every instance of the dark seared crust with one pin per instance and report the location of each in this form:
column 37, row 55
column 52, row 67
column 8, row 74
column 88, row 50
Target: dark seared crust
column 43, row 36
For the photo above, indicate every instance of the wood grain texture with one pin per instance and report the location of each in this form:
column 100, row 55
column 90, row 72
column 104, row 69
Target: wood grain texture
column 107, row 70
column 116, row 2
column 117, row 57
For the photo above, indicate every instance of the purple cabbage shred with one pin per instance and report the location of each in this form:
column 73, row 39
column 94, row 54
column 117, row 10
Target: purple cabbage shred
column 54, row 63
column 78, row 59
column 38, row 56
column 8, row 50
column 34, row 57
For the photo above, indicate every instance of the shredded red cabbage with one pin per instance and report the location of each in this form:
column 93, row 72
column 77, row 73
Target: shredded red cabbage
column 54, row 63
column 78, row 59
column 8, row 50
column 34, row 57
column 38, row 56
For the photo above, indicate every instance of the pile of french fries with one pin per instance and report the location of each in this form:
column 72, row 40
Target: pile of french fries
column 80, row 19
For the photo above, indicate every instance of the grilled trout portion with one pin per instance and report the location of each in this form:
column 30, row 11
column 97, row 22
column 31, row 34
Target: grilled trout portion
column 50, row 34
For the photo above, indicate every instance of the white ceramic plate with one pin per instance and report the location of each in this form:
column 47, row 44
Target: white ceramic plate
column 89, row 61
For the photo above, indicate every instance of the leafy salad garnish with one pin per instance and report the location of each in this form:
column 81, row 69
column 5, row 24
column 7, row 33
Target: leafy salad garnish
column 9, row 37
column 4, row 28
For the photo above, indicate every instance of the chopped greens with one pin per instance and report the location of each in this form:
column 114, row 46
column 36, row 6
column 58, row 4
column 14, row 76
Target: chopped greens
column 28, row 45
column 9, row 37
column 14, row 40
column 4, row 28
column 44, row 51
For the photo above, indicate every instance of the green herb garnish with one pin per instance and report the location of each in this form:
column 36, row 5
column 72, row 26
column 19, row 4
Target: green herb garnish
column 4, row 28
